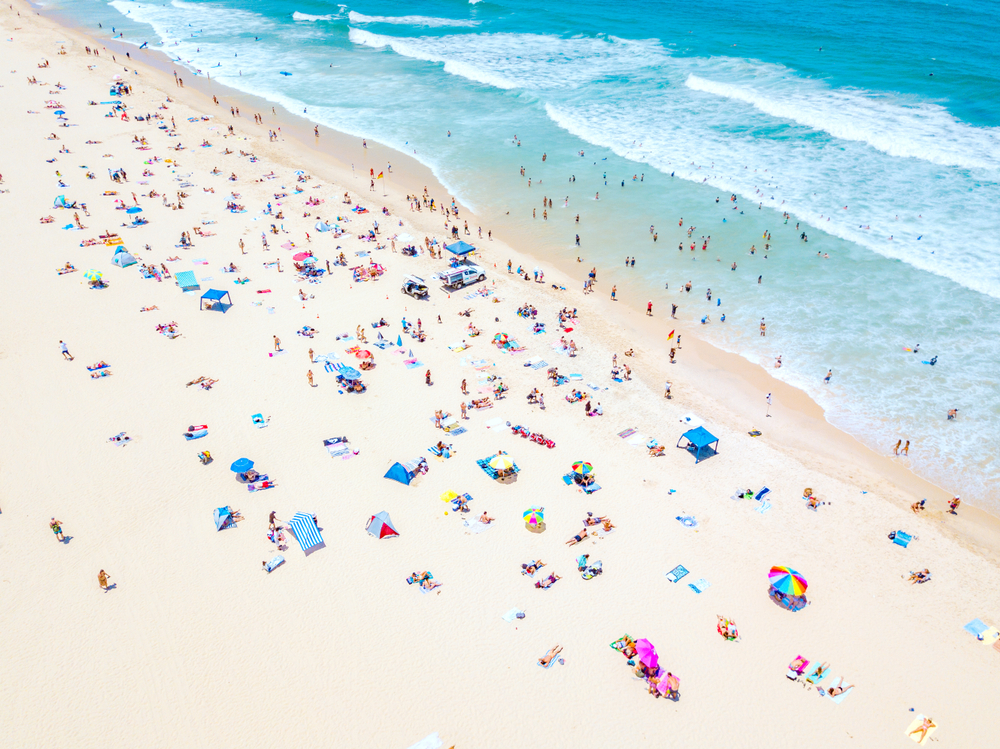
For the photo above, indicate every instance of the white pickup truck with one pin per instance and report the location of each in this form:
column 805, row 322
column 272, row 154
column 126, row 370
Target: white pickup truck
column 456, row 278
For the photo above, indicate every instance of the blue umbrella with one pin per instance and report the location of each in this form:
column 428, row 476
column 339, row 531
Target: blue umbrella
column 134, row 209
column 350, row 373
column 59, row 111
column 241, row 466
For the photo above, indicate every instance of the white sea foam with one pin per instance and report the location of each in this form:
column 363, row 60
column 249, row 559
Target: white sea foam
column 427, row 21
column 918, row 129
column 297, row 16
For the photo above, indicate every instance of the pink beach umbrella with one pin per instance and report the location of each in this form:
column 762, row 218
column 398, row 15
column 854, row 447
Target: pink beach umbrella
column 300, row 256
column 647, row 653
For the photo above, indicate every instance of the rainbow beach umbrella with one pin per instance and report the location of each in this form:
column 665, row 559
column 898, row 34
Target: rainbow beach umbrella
column 534, row 516
column 788, row 581
column 582, row 468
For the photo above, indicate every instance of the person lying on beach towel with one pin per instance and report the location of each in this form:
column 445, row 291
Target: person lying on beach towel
column 922, row 576
column 577, row 538
column 546, row 660
column 548, row 582
column 424, row 579
column 99, row 365
column 531, row 569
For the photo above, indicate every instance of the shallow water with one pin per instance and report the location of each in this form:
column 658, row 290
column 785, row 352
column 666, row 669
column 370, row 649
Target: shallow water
column 858, row 142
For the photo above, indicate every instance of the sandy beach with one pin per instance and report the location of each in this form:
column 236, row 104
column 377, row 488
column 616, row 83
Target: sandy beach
column 192, row 644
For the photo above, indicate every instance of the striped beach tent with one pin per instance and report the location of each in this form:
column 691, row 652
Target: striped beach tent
column 306, row 533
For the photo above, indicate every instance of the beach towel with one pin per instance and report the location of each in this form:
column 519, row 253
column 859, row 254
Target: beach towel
column 476, row 527
column 595, row 387
column 430, row 742
column 493, row 423
column 259, row 421
column 457, row 430
column 539, row 364
column 511, row 615
column 678, row 572
column 762, row 493
column 976, row 627
column 764, row 507
column 687, row 521
column 591, row 488
column 840, row 697
column 812, row 678
column 412, row 363
column 917, row 722
column 637, row 440
column 274, row 564
column 549, row 664
column 627, row 433
column 794, row 674
column 990, row 636
column 700, row 586
column 601, row 533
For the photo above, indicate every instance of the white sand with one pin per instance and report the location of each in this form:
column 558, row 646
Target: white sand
column 194, row 646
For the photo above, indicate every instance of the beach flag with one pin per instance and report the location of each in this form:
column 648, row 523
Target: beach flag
column 671, row 334
column 379, row 176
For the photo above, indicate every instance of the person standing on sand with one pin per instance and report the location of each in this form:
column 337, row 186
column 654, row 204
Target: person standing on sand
column 56, row 526
column 102, row 579
column 614, row 293
column 666, row 391
column 673, row 311
column 277, row 343
column 65, row 351
column 649, row 309
column 309, row 375
column 465, row 390
column 463, row 407
column 311, row 356
column 895, row 450
column 953, row 505
column 427, row 377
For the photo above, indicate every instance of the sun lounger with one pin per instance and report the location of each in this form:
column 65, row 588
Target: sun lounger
column 678, row 572
column 700, row 586
column 274, row 564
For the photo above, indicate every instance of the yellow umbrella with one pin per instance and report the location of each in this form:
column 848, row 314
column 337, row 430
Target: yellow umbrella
column 448, row 496
column 501, row 463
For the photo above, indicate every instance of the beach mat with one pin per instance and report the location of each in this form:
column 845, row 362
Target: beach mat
column 914, row 725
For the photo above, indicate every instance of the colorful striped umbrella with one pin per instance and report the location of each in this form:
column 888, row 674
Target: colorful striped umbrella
column 92, row 275
column 787, row 581
column 534, row 516
column 582, row 468
column 501, row 463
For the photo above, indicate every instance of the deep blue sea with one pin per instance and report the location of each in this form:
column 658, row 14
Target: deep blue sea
column 875, row 124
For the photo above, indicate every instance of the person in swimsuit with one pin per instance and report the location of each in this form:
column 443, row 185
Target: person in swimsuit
column 102, row 579
column 839, row 689
column 923, row 728
column 546, row 659
column 577, row 538
column 56, row 526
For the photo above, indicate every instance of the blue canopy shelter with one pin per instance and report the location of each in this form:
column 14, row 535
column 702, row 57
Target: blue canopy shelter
column 306, row 533
column 699, row 441
column 399, row 473
column 215, row 299
column 460, row 248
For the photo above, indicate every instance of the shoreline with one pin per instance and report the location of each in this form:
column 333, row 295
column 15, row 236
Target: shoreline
column 737, row 384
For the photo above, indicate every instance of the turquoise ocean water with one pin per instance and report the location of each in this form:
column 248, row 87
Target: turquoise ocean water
column 875, row 125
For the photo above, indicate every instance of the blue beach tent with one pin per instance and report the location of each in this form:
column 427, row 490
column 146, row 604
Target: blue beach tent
column 217, row 299
column 223, row 518
column 123, row 258
column 699, row 441
column 399, row 473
